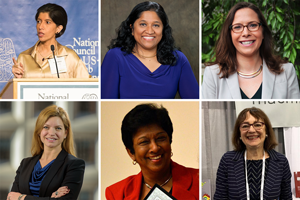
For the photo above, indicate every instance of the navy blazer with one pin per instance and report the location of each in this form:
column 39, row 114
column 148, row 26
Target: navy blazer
column 66, row 170
column 231, row 182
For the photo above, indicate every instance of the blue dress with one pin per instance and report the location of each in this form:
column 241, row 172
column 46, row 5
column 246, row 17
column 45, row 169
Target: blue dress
column 124, row 76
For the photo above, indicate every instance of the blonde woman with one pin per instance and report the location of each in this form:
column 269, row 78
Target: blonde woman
column 53, row 170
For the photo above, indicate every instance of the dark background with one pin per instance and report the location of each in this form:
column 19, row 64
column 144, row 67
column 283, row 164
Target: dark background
column 183, row 18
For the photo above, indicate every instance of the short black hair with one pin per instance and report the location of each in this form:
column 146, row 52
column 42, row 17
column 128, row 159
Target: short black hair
column 141, row 116
column 57, row 14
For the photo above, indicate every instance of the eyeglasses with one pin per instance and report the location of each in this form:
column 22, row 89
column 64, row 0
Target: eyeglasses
column 252, row 26
column 257, row 126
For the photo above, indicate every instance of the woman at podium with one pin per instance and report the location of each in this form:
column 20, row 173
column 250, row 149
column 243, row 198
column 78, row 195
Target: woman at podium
column 147, row 135
column 53, row 171
column 37, row 61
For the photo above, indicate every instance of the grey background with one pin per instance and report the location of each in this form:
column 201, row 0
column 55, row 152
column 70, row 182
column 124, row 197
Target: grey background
column 183, row 18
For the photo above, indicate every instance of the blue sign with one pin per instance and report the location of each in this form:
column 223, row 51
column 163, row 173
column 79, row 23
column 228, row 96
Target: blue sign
column 18, row 31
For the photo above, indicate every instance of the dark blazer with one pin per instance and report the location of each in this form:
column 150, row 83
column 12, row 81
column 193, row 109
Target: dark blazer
column 274, row 86
column 66, row 170
column 231, row 182
column 185, row 185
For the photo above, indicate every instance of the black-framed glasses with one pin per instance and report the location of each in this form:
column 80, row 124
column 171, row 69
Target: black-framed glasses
column 252, row 26
column 256, row 125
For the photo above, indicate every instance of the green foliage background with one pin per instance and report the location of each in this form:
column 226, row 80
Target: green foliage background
column 283, row 18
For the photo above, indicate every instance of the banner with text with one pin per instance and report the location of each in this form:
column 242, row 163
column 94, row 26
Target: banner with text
column 280, row 113
column 18, row 31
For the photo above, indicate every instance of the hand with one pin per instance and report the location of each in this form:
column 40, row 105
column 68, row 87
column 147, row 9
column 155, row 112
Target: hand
column 62, row 191
column 17, row 69
column 14, row 196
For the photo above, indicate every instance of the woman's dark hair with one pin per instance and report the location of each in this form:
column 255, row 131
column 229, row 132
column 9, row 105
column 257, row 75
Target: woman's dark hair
column 225, row 52
column 126, row 40
column 258, row 114
column 56, row 13
column 143, row 115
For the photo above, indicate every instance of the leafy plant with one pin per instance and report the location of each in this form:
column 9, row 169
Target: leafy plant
column 283, row 17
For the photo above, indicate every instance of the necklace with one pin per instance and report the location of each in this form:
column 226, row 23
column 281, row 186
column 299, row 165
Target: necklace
column 142, row 55
column 148, row 186
column 252, row 75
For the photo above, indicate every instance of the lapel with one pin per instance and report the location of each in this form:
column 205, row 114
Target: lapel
column 182, row 181
column 24, row 181
column 268, row 82
column 133, row 188
column 272, row 173
column 233, row 85
column 59, row 161
column 239, row 166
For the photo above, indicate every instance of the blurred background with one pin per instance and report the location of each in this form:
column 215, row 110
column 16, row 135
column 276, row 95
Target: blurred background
column 17, row 123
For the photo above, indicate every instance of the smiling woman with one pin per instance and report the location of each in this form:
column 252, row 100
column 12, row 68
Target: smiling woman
column 51, row 23
column 254, row 170
column 143, row 62
column 147, row 132
column 245, row 66
column 53, row 171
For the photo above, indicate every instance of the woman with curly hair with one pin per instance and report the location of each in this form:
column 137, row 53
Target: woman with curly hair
column 245, row 65
column 143, row 62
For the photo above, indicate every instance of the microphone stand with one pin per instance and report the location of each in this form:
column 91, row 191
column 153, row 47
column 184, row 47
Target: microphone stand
column 52, row 49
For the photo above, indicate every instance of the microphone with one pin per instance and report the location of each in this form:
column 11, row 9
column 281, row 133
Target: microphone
column 52, row 49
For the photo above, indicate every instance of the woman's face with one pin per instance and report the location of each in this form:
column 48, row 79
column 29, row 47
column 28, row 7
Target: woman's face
column 246, row 43
column 53, row 133
column 147, row 31
column 46, row 28
column 152, row 149
column 253, row 138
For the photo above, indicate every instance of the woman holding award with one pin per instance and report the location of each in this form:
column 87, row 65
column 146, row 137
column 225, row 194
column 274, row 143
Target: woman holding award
column 147, row 135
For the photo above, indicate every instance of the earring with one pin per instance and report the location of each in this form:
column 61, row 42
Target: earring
column 171, row 154
column 240, row 138
column 134, row 162
column 266, row 135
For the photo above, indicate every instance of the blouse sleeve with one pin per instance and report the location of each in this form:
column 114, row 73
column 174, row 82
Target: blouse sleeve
column 109, row 194
column 81, row 70
column 73, row 179
column 188, row 86
column 222, row 181
column 286, row 191
column 110, row 76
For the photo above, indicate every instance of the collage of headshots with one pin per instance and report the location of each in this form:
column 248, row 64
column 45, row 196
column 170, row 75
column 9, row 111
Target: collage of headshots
column 150, row 100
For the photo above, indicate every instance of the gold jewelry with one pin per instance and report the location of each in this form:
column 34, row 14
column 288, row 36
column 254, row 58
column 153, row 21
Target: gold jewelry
column 252, row 75
column 148, row 186
column 134, row 162
column 171, row 154
column 142, row 55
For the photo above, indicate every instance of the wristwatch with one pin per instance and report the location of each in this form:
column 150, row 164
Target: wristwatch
column 20, row 196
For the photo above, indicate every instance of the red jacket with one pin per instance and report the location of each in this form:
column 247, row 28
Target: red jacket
column 185, row 185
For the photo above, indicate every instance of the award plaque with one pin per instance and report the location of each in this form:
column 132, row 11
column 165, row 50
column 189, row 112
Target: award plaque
column 158, row 193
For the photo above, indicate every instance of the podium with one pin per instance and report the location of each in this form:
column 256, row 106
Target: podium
column 51, row 89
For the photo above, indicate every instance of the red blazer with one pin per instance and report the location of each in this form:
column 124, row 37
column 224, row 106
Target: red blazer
column 185, row 185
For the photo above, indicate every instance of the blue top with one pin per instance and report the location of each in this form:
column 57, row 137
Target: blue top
column 124, row 76
column 37, row 177
column 231, row 181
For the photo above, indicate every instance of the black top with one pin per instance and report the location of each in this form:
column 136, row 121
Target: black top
column 254, row 169
column 257, row 95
